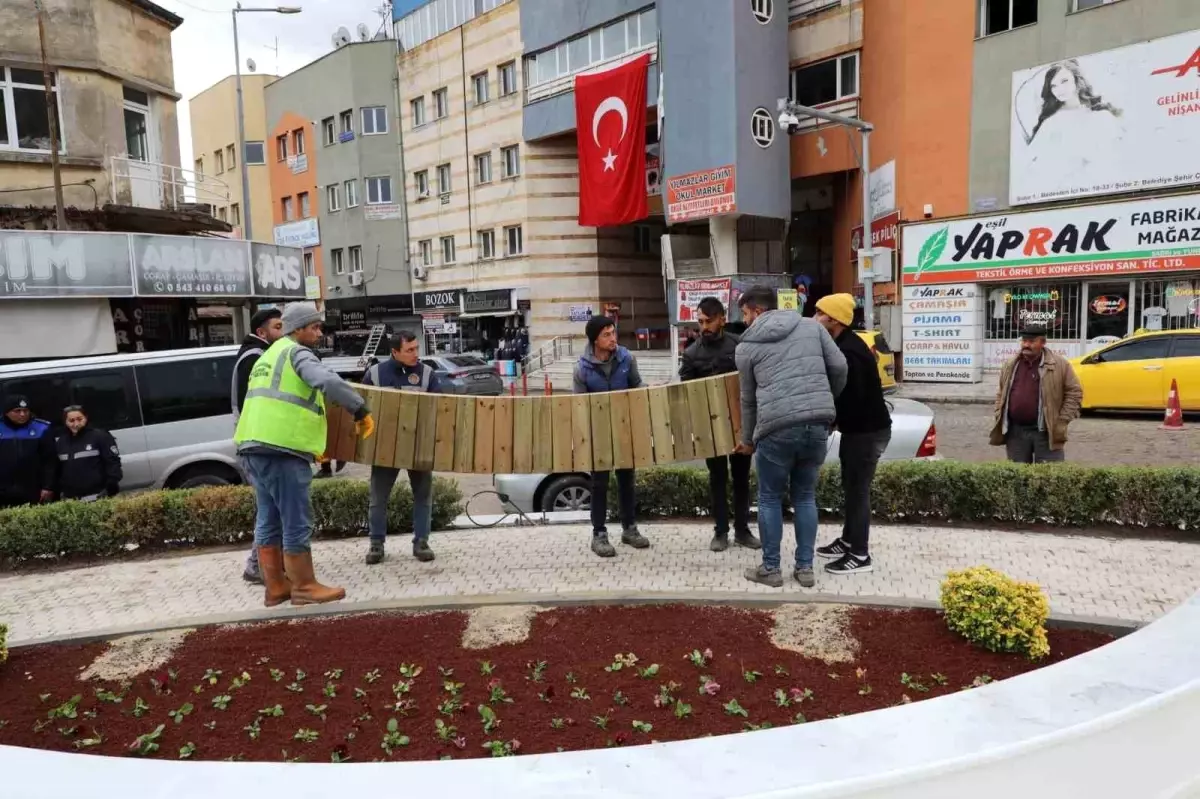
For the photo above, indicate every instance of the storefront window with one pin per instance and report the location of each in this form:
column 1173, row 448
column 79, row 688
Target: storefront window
column 1108, row 310
column 1010, row 308
column 1167, row 304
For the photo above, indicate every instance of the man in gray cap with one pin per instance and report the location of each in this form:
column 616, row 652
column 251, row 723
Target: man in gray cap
column 280, row 433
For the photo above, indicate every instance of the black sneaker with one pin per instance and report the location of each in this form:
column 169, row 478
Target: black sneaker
column 850, row 564
column 745, row 538
column 253, row 576
column 375, row 553
column 631, row 536
column 601, row 546
column 719, row 543
column 421, row 551
column 837, row 549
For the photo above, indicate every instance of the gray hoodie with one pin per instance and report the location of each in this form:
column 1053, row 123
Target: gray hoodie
column 790, row 370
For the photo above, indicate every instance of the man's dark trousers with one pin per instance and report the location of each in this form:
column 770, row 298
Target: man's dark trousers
column 859, row 454
column 625, row 500
column 718, row 485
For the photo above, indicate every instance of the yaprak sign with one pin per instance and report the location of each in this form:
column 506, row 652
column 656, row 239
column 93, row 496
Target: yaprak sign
column 1150, row 236
column 1117, row 121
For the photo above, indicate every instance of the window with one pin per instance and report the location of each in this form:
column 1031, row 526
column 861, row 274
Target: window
column 221, row 214
column 199, row 164
column 309, row 268
column 641, row 239
column 281, row 148
column 510, row 161
column 177, row 391
column 448, row 254
column 480, row 84
column 443, row 176
column 441, row 104
column 379, row 190
column 356, row 259
column 612, row 38
column 421, row 182
column 374, row 120
column 298, row 141
column 328, row 131
column 1083, row 5
column 625, row 35
column 108, row 396
column 487, row 244
column 219, row 159
column 513, row 243
column 335, row 258
column 351, row 193
column 255, row 153
column 287, row 209
column 305, row 205
column 826, row 81
column 763, row 10
column 333, row 200
column 235, row 214
column 506, row 74
column 24, row 124
column 483, row 168
column 1143, row 350
column 426, row 250
column 997, row 16
column 231, row 157
column 1186, row 347
column 346, row 121
column 417, row 108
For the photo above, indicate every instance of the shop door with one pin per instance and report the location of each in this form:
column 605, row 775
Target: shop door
column 1108, row 312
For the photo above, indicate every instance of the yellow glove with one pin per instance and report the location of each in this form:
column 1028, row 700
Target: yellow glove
column 321, row 459
column 365, row 427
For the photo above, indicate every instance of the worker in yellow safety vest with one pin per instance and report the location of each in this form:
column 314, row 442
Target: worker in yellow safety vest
column 280, row 432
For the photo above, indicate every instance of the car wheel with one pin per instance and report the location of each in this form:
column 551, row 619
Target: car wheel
column 202, row 475
column 572, row 492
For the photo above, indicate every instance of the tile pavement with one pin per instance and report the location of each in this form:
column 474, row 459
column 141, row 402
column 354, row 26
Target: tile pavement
column 1132, row 580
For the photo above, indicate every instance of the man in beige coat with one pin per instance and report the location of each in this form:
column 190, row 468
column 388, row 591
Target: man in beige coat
column 1039, row 396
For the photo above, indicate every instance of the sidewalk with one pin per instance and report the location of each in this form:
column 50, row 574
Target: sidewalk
column 1134, row 580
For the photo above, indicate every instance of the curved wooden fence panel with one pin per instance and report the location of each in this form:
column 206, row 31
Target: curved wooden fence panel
column 537, row 435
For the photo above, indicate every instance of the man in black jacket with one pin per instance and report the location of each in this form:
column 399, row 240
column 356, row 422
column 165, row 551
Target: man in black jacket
column 866, row 428
column 712, row 354
column 267, row 325
column 27, row 458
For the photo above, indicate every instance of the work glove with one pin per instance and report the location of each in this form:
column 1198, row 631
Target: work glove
column 321, row 459
column 365, row 427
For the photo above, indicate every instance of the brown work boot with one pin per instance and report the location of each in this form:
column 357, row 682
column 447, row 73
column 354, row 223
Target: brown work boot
column 270, row 566
column 305, row 588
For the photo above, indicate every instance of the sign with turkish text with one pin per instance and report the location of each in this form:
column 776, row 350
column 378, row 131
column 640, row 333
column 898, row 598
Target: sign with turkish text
column 699, row 195
column 788, row 299
column 579, row 313
column 278, row 271
column 381, row 212
column 189, row 266
column 443, row 300
column 47, row 264
column 689, row 293
column 942, row 329
column 489, row 301
column 885, row 232
column 301, row 233
column 882, row 191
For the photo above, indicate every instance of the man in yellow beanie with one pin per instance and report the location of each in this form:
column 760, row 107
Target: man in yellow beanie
column 866, row 428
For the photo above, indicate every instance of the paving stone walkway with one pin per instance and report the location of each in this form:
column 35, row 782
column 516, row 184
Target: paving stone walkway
column 1132, row 579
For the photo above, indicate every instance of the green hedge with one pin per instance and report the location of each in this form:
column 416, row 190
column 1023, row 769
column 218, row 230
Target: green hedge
column 158, row 520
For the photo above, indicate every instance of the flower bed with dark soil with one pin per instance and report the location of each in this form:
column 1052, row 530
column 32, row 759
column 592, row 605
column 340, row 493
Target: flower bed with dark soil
column 410, row 686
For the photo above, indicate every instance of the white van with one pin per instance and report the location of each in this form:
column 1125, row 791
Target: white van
column 169, row 411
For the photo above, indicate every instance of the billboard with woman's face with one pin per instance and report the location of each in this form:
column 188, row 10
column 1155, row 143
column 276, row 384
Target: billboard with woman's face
column 1117, row 121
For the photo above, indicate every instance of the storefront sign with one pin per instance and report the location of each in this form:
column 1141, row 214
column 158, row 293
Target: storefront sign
column 1108, row 306
column 278, row 271
column 301, row 233
column 1070, row 117
column 882, row 191
column 689, row 293
column 497, row 301
column 1148, row 236
column 943, row 333
column 885, row 232
column 437, row 324
column 445, row 300
column 579, row 313
column 354, row 320
column 698, row 195
column 188, row 266
column 37, row 264
column 787, row 299
column 382, row 212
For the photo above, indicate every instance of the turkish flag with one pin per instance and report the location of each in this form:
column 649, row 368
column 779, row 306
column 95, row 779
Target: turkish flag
column 610, row 123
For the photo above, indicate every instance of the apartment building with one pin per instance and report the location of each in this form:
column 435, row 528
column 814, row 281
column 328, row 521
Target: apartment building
column 213, row 115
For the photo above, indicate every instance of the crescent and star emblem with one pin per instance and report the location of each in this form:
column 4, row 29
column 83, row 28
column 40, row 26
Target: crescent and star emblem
column 617, row 106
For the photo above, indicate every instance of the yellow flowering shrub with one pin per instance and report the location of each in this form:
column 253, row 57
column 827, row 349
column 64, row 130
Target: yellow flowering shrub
column 994, row 611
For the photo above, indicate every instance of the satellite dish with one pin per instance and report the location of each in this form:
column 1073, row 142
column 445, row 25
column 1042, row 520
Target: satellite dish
column 341, row 37
column 364, row 33
column 250, row 65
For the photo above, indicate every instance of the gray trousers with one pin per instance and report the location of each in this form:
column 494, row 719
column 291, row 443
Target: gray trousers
column 383, row 478
column 1027, row 444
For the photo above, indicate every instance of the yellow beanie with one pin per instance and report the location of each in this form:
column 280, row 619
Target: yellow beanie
column 839, row 307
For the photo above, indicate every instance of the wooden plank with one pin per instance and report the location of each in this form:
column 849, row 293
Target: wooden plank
column 702, row 437
column 560, row 420
column 660, row 425
column 718, row 413
column 681, row 422
column 347, row 438
column 581, row 433
column 333, row 420
column 385, row 428
column 543, row 435
column 640, row 428
column 522, row 446
column 622, row 436
column 464, row 435
column 733, row 391
column 364, row 451
column 426, row 436
column 443, row 442
column 502, row 436
column 406, row 430
column 485, row 422
column 602, row 445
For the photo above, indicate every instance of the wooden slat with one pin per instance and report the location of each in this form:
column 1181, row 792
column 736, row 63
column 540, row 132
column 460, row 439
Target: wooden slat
column 502, row 436
column 334, row 414
column 640, row 428
column 406, row 430
column 734, row 392
column 622, row 436
column 443, row 444
column 543, row 436
column 485, row 421
column 464, row 435
column 681, row 421
column 660, row 425
column 560, row 420
column 522, row 445
column 385, row 427
column 702, row 437
column 581, row 433
column 364, row 451
column 602, row 447
column 347, row 438
column 426, row 432
column 718, row 414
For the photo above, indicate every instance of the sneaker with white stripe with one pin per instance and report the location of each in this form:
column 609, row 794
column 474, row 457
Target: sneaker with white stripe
column 850, row 564
column 838, row 549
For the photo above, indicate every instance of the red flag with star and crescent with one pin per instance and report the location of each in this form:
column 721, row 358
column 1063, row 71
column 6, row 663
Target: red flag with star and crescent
column 610, row 123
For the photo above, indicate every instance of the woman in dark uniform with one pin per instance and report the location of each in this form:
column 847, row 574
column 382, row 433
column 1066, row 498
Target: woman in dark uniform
column 89, row 463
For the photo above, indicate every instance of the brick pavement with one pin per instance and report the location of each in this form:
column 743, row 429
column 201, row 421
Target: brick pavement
column 1134, row 580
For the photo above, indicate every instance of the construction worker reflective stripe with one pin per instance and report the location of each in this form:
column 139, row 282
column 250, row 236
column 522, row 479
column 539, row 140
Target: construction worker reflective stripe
column 273, row 392
column 281, row 410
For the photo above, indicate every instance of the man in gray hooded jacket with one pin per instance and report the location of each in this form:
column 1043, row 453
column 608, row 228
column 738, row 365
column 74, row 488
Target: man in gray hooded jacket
column 790, row 370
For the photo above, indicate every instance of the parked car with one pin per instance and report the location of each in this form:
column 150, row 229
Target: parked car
column 914, row 436
column 1135, row 373
column 169, row 411
column 884, row 357
column 465, row 374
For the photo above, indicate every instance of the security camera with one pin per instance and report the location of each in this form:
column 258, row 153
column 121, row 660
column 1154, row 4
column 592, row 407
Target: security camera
column 789, row 122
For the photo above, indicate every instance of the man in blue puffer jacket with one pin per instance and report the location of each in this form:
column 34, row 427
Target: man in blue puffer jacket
column 607, row 366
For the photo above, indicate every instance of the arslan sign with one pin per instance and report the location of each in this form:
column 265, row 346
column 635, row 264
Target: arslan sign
column 1149, row 236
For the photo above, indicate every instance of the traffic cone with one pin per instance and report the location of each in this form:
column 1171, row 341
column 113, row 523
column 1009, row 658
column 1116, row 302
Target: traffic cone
column 1173, row 420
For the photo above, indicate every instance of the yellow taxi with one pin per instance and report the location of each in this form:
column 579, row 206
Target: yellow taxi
column 884, row 357
column 1135, row 373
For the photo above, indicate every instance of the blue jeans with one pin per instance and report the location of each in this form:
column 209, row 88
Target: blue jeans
column 281, row 484
column 796, row 454
column 383, row 478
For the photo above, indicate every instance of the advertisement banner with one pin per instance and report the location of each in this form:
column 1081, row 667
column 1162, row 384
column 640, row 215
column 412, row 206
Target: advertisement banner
column 382, row 212
column 44, row 264
column 187, row 266
column 689, row 293
column 943, row 333
column 1116, row 239
column 885, row 232
column 883, row 189
column 444, row 300
column 698, row 195
column 278, row 271
column 301, row 233
column 579, row 313
column 1116, row 121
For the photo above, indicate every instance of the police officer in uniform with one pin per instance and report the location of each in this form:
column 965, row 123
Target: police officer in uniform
column 26, row 455
column 89, row 462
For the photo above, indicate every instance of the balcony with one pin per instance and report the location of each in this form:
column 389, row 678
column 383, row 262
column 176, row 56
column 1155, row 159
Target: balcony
column 566, row 83
column 805, row 8
column 847, row 107
column 165, row 187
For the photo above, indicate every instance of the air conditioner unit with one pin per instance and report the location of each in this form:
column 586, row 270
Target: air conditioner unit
column 356, row 278
column 420, row 273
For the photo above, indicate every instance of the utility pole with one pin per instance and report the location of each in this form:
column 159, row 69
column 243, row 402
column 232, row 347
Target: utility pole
column 60, row 214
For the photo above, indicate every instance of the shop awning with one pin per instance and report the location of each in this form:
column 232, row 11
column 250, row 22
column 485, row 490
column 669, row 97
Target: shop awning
column 67, row 328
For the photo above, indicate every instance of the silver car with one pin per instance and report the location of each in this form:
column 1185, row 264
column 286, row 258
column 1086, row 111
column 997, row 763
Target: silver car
column 913, row 436
column 465, row 374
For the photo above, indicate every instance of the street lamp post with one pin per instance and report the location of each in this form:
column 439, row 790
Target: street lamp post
column 248, row 224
